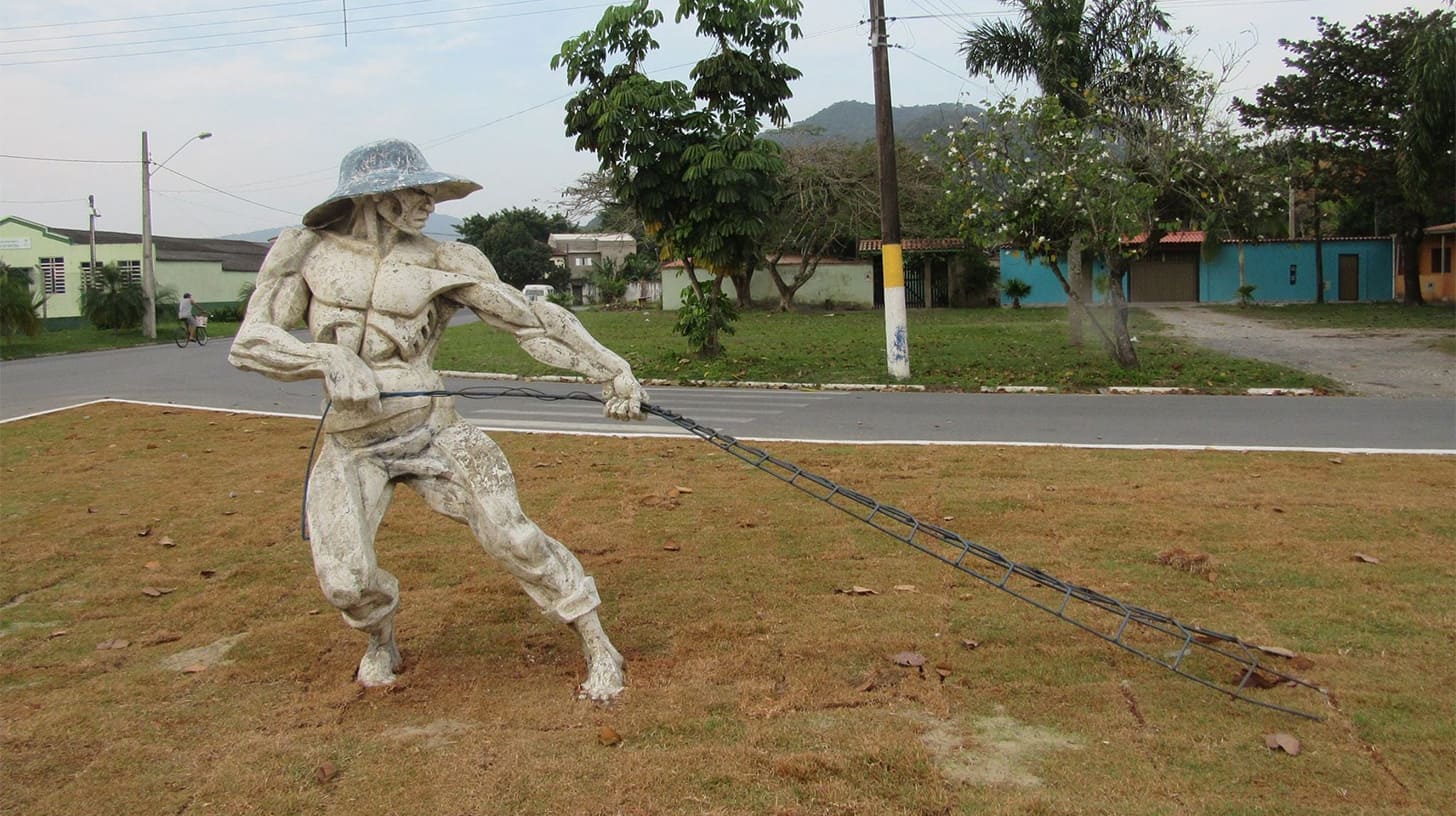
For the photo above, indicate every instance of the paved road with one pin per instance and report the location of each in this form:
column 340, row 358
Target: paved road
column 202, row 377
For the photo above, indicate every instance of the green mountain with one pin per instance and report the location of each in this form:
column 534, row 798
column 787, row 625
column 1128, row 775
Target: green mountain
column 854, row 122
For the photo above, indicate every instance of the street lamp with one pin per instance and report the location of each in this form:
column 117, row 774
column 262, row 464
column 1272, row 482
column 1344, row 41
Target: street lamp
column 149, row 282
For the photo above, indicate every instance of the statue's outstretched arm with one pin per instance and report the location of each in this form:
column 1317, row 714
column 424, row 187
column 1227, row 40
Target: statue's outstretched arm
column 544, row 330
column 280, row 300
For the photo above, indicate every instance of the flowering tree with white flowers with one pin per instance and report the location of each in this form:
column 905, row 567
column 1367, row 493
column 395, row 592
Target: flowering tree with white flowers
column 1136, row 165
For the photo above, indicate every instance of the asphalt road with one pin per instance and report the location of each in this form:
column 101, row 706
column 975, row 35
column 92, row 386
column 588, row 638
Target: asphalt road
column 202, row 377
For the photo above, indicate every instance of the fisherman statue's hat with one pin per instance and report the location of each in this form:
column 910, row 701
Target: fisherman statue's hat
column 383, row 167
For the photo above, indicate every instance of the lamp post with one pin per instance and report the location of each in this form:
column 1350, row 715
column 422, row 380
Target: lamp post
column 149, row 282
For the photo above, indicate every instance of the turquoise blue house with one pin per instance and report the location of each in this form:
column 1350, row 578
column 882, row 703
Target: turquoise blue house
column 1281, row 271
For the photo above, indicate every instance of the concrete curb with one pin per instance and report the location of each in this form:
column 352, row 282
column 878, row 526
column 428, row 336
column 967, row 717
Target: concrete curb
column 793, row 386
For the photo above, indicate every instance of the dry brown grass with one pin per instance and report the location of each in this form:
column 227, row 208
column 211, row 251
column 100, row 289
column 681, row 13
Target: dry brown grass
column 753, row 686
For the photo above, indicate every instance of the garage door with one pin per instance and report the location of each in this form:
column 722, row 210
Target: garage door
column 1170, row 280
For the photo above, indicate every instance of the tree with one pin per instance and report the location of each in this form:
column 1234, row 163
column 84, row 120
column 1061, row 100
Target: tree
column 112, row 300
column 1078, row 53
column 1371, row 112
column 689, row 161
column 515, row 241
column 830, row 198
column 19, row 307
column 1120, row 177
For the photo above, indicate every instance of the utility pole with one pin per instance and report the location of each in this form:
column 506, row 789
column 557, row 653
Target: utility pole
column 149, row 280
column 897, row 339
column 91, row 202
column 149, row 284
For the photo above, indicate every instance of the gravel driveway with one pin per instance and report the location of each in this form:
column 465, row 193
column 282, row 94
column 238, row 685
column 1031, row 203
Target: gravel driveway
column 1371, row 362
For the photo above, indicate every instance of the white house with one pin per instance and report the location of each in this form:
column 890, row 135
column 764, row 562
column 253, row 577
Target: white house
column 582, row 253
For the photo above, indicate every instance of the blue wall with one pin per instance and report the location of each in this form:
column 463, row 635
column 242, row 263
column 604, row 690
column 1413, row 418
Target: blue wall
column 1046, row 290
column 1266, row 266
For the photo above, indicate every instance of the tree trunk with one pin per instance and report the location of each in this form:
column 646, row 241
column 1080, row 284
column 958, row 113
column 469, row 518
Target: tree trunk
column 713, row 347
column 743, row 287
column 1076, row 277
column 1410, row 267
column 1319, row 258
column 1122, row 350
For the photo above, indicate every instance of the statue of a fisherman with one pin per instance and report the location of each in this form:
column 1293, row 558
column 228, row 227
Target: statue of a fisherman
column 376, row 295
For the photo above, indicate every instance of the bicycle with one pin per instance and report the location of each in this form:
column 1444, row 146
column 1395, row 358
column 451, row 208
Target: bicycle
column 200, row 335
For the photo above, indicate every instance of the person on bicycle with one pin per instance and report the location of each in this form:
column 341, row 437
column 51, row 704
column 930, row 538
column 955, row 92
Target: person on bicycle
column 187, row 312
column 377, row 295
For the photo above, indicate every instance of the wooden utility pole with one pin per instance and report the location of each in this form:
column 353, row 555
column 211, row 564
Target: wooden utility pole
column 897, row 339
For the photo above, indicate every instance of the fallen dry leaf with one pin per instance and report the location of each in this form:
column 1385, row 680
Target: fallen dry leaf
column 970, row 643
column 672, row 546
column 58, row 633
column 1337, row 461
column 856, row 590
column 943, row 670
column 913, row 660
column 325, row 773
column 153, row 565
column 145, row 531
column 159, row 637
column 1368, row 559
column 606, row 735
column 905, row 588
column 157, row 592
column 1283, row 742
column 195, row 668
column 683, row 490
column 90, row 509
column 114, row 643
column 207, row 573
column 1276, row 651
column 167, row 542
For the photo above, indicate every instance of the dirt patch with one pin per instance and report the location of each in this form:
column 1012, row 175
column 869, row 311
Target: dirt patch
column 438, row 734
column 1385, row 363
column 203, row 657
column 1002, row 751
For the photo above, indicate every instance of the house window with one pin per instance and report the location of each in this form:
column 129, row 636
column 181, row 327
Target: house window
column 89, row 277
column 131, row 271
column 53, row 275
column 1440, row 260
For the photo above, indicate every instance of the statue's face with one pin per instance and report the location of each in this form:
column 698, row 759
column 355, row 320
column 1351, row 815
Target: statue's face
column 409, row 211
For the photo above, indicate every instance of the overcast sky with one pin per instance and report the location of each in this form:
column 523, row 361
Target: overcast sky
column 469, row 81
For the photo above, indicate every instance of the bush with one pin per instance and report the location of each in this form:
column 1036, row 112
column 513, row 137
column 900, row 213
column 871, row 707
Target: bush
column 701, row 320
column 1016, row 289
column 18, row 307
column 1246, row 294
column 112, row 301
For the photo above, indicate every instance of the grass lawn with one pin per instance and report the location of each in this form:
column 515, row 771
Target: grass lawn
column 954, row 349
column 66, row 341
column 164, row 647
column 1435, row 316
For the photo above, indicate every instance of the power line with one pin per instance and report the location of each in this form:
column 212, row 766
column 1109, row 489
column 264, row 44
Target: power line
column 228, row 194
column 303, row 38
column 67, row 161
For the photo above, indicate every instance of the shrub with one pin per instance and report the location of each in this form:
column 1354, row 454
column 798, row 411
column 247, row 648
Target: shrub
column 1016, row 289
column 112, row 301
column 18, row 307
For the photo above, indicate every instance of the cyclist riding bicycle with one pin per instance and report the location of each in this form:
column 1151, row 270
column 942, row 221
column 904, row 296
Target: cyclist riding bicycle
column 188, row 312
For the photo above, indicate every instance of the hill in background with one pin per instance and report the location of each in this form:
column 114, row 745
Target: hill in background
column 440, row 227
column 854, row 122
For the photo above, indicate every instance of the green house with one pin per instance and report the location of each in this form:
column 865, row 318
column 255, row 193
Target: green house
column 58, row 264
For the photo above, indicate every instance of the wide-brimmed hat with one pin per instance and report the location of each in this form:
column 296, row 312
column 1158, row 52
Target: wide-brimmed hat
column 383, row 167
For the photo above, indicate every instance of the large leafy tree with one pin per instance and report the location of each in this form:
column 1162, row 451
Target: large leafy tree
column 689, row 160
column 515, row 241
column 1370, row 112
column 1079, row 53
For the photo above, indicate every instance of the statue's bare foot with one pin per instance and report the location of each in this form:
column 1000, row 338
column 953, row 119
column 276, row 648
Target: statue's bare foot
column 380, row 662
column 604, row 677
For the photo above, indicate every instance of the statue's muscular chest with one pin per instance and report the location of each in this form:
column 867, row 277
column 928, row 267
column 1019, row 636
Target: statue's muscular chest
column 385, row 308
